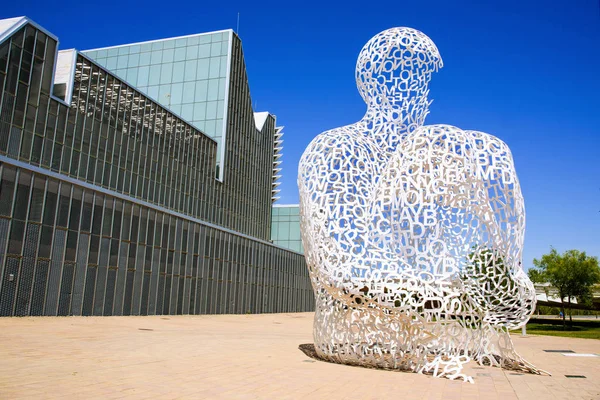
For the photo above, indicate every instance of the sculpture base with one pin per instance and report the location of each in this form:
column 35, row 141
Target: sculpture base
column 384, row 338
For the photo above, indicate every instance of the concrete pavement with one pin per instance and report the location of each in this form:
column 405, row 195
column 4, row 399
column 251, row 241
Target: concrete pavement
column 246, row 357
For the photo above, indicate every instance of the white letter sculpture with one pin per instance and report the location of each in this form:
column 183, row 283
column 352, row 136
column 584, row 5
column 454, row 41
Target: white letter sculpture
column 412, row 233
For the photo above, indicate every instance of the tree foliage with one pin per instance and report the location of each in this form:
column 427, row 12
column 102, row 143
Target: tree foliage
column 572, row 273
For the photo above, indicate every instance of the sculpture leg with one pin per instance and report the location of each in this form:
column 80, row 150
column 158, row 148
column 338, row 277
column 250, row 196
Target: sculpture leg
column 382, row 338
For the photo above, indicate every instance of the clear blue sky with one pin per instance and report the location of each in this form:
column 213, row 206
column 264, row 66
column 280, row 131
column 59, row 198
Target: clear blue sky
column 525, row 71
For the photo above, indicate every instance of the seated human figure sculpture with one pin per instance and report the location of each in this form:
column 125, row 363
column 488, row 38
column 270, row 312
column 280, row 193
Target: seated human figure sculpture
column 413, row 234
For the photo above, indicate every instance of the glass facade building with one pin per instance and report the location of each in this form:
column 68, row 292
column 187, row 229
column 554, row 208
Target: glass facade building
column 188, row 75
column 285, row 230
column 109, row 202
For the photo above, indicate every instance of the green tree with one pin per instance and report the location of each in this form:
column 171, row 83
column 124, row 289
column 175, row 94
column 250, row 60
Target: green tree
column 537, row 276
column 572, row 273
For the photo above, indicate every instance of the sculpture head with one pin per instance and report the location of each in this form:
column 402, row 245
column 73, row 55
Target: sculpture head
column 395, row 66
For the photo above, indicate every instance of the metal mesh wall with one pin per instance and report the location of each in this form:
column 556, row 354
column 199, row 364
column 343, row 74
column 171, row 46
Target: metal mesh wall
column 206, row 270
column 83, row 224
column 27, row 270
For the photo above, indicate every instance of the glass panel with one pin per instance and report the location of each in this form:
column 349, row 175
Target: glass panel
column 97, row 216
column 215, row 49
column 284, row 230
column 134, row 60
column 168, row 56
column 188, row 92
column 156, row 57
column 122, row 61
column 63, row 205
column 86, row 220
column 199, row 111
column 179, row 54
column 145, row 58
column 223, row 70
column 294, row 231
column 178, row 71
column 111, row 63
column 190, row 70
column 176, row 93
column 17, row 230
column 164, row 94
column 201, row 91
column 45, row 242
column 214, row 67
column 213, row 89
column 131, row 76
column 154, row 77
column 187, row 112
column 211, row 110
column 75, row 208
column 165, row 73
column 191, row 52
column 204, row 51
column 224, row 47
column 71, row 248
column 203, row 66
column 51, row 200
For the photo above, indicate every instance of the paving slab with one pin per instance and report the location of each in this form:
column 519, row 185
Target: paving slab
column 247, row 357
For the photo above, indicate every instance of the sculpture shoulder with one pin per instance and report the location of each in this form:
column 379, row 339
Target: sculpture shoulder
column 338, row 143
column 479, row 141
column 488, row 137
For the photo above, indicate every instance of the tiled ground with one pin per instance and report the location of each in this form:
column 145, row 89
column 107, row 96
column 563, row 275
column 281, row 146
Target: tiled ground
column 245, row 357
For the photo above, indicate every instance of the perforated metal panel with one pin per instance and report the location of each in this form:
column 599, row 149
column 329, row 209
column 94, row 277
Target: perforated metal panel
column 228, row 275
column 9, row 286
column 14, row 142
column 88, row 295
column 27, row 270
column 5, row 116
column 154, row 282
column 145, row 290
column 80, row 270
column 174, row 297
column 160, row 293
column 110, row 291
column 64, row 304
column 128, row 293
column 55, row 276
column 235, row 303
column 121, row 279
column 243, row 287
column 101, row 276
column 193, row 288
column 138, row 277
column 39, row 288
column 100, row 290
column 167, row 297
column 186, row 309
column 181, row 282
column 4, row 226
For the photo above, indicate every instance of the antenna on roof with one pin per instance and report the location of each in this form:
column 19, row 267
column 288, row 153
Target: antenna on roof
column 237, row 30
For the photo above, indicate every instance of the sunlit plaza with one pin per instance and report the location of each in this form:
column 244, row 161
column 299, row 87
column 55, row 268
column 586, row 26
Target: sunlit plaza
column 249, row 357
